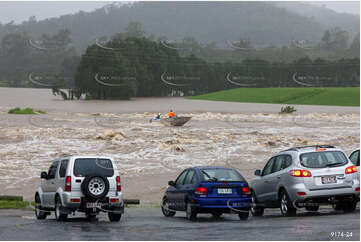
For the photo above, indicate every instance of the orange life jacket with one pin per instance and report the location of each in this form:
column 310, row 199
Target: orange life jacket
column 171, row 114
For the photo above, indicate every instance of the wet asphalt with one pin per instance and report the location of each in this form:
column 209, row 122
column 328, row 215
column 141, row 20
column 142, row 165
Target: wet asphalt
column 150, row 224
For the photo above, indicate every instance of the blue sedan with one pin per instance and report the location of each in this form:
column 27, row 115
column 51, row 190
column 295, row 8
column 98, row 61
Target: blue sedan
column 210, row 189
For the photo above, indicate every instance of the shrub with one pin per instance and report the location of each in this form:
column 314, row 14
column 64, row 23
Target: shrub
column 287, row 109
column 18, row 110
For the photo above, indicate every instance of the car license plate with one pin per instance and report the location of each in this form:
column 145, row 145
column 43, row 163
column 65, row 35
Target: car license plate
column 93, row 205
column 328, row 179
column 224, row 190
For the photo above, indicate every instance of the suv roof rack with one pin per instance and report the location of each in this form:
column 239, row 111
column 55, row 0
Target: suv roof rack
column 310, row 146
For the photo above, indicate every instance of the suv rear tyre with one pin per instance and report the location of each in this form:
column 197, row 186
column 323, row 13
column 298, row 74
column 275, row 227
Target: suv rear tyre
column 38, row 210
column 114, row 217
column 58, row 214
column 256, row 211
column 91, row 217
column 286, row 206
column 349, row 206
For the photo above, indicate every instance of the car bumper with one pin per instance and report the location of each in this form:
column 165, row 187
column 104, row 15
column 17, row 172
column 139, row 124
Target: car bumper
column 106, row 204
column 224, row 205
column 322, row 195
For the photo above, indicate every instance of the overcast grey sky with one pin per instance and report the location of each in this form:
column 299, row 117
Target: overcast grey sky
column 341, row 6
column 20, row 11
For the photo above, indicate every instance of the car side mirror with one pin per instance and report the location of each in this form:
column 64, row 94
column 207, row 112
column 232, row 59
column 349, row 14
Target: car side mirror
column 257, row 172
column 43, row 175
column 171, row 183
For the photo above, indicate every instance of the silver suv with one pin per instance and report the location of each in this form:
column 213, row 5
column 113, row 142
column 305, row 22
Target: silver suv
column 306, row 177
column 88, row 184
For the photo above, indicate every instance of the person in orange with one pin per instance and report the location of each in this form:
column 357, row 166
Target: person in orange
column 171, row 114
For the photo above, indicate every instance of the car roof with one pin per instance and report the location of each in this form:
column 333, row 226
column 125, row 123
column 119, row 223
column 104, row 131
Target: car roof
column 86, row 156
column 311, row 148
column 211, row 167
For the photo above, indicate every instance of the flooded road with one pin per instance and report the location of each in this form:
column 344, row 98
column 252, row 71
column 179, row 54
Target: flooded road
column 150, row 224
column 149, row 154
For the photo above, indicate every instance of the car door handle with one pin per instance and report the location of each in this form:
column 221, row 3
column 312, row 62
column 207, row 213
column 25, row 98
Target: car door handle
column 52, row 182
column 267, row 181
column 279, row 177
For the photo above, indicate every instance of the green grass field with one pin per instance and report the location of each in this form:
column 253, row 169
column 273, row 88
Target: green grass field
column 336, row 96
column 16, row 204
column 18, row 110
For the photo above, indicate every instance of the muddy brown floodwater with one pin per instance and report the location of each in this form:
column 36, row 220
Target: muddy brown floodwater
column 149, row 154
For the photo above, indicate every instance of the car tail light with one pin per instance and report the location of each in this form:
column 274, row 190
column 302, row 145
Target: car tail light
column 201, row 191
column 113, row 200
column 301, row 193
column 351, row 169
column 357, row 189
column 246, row 191
column 119, row 187
column 68, row 184
column 75, row 200
column 300, row 173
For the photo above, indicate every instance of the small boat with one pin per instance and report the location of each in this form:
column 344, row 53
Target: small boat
column 177, row 121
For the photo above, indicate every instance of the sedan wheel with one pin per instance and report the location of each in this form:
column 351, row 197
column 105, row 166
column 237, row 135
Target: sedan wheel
column 243, row 215
column 165, row 209
column 191, row 213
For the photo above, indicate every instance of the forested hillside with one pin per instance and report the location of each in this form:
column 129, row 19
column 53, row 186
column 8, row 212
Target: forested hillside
column 263, row 23
column 178, row 48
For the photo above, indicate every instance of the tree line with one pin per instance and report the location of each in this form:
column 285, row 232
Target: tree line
column 133, row 65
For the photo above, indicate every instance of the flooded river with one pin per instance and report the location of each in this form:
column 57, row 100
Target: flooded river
column 149, row 154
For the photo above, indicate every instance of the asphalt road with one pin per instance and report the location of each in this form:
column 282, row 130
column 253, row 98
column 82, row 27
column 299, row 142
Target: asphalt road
column 149, row 224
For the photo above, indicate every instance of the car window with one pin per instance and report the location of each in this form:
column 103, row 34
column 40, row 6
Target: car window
column 323, row 159
column 52, row 170
column 287, row 161
column 194, row 179
column 93, row 166
column 220, row 174
column 268, row 168
column 181, row 177
column 278, row 163
column 189, row 177
column 62, row 169
column 355, row 158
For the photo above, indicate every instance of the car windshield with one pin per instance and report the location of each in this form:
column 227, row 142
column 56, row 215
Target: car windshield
column 323, row 159
column 93, row 166
column 214, row 175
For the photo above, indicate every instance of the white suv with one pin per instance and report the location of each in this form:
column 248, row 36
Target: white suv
column 88, row 184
